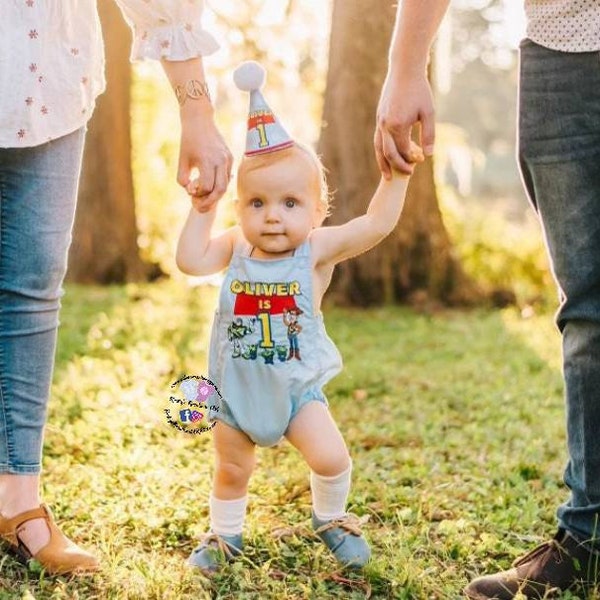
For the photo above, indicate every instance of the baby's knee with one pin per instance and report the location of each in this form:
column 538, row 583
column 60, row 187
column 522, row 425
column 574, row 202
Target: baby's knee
column 333, row 463
column 232, row 472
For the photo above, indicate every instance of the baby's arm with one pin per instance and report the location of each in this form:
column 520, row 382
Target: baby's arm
column 198, row 253
column 331, row 245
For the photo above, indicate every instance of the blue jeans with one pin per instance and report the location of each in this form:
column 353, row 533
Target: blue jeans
column 559, row 154
column 38, row 190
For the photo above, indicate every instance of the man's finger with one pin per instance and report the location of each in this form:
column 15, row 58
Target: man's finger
column 394, row 157
column 428, row 133
column 382, row 163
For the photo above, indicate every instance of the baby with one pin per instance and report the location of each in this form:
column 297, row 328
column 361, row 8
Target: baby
column 270, row 355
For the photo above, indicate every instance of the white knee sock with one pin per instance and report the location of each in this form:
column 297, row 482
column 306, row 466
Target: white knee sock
column 227, row 516
column 329, row 494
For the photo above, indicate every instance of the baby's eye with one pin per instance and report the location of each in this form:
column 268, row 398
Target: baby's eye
column 256, row 202
column 290, row 202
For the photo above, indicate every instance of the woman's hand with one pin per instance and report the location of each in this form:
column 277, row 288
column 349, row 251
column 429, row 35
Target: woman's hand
column 203, row 154
column 203, row 150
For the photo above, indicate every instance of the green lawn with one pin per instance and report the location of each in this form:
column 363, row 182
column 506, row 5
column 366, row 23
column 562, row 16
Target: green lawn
column 454, row 420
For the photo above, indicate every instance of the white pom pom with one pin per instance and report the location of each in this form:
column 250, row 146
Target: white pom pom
column 249, row 76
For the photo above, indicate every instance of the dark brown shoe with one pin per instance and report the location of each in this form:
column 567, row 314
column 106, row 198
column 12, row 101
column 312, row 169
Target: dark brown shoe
column 558, row 565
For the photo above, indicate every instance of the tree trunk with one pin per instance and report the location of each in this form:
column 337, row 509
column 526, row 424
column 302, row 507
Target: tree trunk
column 415, row 263
column 104, row 248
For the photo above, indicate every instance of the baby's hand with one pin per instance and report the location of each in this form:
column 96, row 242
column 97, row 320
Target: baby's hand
column 415, row 153
column 200, row 203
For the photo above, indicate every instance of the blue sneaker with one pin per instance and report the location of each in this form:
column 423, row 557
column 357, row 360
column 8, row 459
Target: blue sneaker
column 214, row 550
column 344, row 538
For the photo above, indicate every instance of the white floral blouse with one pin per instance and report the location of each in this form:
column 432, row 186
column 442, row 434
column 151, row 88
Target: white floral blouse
column 52, row 58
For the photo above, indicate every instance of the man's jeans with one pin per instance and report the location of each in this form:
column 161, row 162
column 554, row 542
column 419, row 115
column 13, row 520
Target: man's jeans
column 559, row 153
column 38, row 189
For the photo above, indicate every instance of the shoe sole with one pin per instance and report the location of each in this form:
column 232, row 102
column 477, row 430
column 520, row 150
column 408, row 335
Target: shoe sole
column 24, row 558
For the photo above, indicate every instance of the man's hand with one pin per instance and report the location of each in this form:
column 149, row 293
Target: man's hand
column 404, row 102
column 406, row 98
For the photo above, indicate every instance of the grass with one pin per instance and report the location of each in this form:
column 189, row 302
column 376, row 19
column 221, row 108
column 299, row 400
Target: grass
column 454, row 420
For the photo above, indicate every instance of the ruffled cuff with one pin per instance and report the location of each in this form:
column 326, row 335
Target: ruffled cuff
column 172, row 42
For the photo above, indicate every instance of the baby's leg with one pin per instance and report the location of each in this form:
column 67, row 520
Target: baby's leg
column 234, row 463
column 315, row 434
column 228, row 500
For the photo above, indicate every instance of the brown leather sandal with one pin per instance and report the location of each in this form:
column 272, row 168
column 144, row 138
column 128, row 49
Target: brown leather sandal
column 59, row 556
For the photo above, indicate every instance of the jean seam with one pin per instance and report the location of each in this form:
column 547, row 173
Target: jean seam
column 4, row 415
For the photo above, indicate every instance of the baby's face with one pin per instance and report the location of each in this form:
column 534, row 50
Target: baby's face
column 279, row 206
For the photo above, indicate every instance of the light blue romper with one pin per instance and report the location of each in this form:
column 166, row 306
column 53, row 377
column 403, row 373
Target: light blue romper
column 269, row 353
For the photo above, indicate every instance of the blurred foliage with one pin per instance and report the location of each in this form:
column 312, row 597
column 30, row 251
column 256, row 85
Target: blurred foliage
column 502, row 253
column 482, row 30
column 476, row 79
column 496, row 232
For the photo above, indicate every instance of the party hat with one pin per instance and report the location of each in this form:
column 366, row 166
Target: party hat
column 265, row 132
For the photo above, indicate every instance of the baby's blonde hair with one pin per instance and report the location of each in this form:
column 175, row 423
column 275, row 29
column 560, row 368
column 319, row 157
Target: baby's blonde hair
column 298, row 149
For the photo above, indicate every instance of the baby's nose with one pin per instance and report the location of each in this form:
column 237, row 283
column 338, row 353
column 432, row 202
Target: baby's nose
column 272, row 214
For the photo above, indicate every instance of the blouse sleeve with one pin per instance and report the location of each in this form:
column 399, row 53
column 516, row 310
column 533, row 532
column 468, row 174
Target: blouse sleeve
column 167, row 29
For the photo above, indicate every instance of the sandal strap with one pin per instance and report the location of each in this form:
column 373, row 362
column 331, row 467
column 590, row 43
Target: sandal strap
column 41, row 512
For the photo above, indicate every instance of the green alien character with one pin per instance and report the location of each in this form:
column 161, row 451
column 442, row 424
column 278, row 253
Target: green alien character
column 268, row 354
column 282, row 352
column 250, row 352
